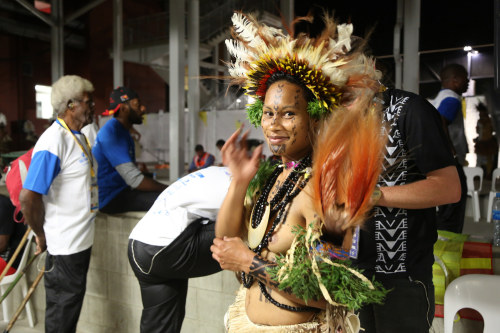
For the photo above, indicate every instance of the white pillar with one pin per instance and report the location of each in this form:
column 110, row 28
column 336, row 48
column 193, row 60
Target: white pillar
column 193, row 70
column 398, row 60
column 117, row 43
column 176, row 88
column 57, row 40
column 411, row 65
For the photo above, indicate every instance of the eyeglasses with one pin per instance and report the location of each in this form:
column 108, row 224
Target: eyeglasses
column 90, row 102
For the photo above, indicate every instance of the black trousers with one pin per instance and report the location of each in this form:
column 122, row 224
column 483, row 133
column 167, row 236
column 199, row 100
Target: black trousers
column 130, row 200
column 451, row 217
column 163, row 274
column 408, row 308
column 65, row 282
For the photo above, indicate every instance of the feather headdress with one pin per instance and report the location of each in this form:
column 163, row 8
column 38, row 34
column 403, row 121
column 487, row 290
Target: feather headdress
column 327, row 65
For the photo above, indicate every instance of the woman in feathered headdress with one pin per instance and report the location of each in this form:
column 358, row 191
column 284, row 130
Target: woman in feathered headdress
column 315, row 103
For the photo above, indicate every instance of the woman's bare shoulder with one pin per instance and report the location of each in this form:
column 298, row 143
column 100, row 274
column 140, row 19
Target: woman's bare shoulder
column 305, row 203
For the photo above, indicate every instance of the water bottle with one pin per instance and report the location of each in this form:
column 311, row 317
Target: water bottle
column 496, row 220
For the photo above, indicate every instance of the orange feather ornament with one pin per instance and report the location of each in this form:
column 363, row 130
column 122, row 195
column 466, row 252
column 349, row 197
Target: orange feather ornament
column 347, row 163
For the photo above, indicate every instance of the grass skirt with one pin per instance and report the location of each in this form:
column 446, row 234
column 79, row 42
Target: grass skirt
column 237, row 321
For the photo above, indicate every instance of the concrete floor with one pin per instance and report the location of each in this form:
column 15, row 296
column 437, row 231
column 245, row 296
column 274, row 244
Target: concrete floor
column 480, row 231
column 22, row 326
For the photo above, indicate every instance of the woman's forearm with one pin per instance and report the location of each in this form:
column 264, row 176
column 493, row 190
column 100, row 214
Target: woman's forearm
column 231, row 214
column 258, row 269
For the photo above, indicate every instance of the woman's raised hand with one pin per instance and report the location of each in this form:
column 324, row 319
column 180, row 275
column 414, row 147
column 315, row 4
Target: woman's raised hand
column 236, row 156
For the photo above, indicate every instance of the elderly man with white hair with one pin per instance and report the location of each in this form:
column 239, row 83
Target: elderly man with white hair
column 59, row 201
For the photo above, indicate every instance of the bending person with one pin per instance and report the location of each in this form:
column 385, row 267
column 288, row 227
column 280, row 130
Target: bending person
column 171, row 244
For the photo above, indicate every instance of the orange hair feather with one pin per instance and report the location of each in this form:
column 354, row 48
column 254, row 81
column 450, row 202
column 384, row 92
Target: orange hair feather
column 347, row 163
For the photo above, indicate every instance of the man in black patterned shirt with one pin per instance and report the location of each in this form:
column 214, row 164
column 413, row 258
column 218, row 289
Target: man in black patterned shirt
column 396, row 243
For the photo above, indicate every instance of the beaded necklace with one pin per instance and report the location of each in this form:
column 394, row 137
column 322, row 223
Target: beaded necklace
column 263, row 211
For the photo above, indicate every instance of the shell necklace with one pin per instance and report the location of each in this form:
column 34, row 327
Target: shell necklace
column 264, row 210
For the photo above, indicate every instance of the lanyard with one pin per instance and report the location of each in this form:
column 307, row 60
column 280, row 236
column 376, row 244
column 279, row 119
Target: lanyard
column 90, row 158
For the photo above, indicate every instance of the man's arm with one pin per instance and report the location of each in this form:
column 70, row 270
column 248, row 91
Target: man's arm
column 34, row 215
column 116, row 150
column 449, row 109
column 425, row 139
column 149, row 184
column 136, row 180
column 442, row 186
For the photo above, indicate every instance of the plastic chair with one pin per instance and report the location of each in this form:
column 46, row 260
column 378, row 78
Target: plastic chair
column 493, row 192
column 476, row 291
column 7, row 280
column 472, row 173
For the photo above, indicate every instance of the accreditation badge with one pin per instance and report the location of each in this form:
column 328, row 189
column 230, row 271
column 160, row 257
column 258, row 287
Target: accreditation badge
column 353, row 253
column 94, row 195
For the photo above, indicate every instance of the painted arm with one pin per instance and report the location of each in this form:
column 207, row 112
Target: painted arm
column 234, row 255
column 243, row 168
column 34, row 215
column 442, row 186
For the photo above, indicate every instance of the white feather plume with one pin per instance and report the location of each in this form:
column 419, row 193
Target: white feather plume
column 243, row 27
column 344, row 32
column 238, row 50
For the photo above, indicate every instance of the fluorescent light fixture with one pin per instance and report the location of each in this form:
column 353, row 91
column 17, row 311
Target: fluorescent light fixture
column 467, row 48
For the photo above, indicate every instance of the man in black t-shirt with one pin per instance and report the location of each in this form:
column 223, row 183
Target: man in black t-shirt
column 396, row 243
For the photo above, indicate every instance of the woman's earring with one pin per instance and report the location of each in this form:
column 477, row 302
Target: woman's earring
column 70, row 105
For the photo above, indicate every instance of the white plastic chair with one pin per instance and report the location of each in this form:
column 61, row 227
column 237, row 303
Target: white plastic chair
column 472, row 173
column 493, row 192
column 480, row 292
column 7, row 303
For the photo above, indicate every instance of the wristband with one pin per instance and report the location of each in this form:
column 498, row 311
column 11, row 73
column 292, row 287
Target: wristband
column 376, row 195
